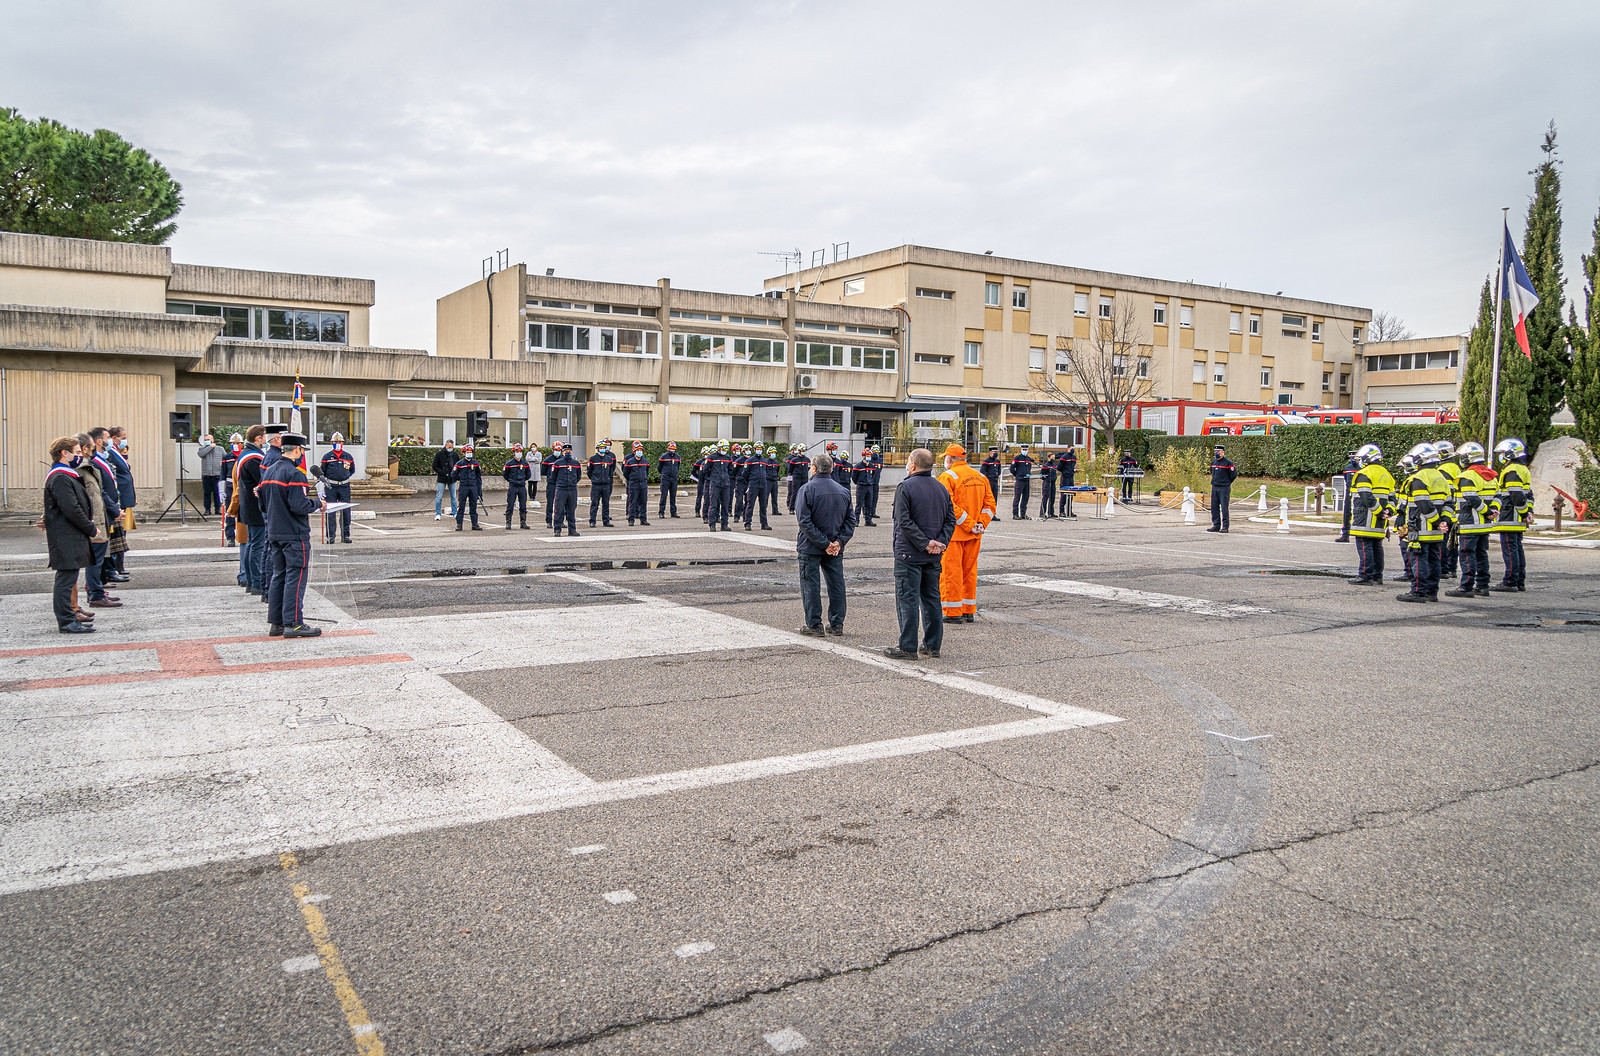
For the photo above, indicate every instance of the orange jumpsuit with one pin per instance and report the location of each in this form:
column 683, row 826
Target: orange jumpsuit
column 974, row 507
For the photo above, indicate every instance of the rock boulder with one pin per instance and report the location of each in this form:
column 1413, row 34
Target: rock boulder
column 1556, row 466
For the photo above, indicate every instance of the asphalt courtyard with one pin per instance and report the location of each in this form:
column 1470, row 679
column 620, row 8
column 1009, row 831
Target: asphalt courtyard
column 1173, row 792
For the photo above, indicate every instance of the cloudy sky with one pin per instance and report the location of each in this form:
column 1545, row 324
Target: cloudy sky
column 1352, row 152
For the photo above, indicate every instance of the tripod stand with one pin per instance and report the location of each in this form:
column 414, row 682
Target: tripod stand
column 182, row 502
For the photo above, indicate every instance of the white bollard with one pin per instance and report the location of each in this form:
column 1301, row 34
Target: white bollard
column 1283, row 515
column 1261, row 507
column 1111, row 502
column 1188, row 506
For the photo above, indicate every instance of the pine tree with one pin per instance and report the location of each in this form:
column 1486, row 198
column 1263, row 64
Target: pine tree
column 1515, row 374
column 1547, row 330
column 1583, row 383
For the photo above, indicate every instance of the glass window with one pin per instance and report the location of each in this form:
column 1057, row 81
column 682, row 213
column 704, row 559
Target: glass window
column 1119, row 366
column 1438, row 360
column 827, row 421
column 1255, row 326
column 741, row 426
column 1327, row 380
column 1161, row 313
column 938, row 295
column 1080, row 304
column 1186, row 315
column 608, row 340
column 1199, row 372
column 969, row 353
column 1285, row 398
column 632, row 425
column 1234, row 322
column 1316, row 331
column 280, row 325
column 1035, row 359
column 630, row 342
column 1355, row 334
column 535, row 335
column 991, row 294
column 333, row 328
column 1019, row 297
column 236, row 322
column 855, row 287
column 1063, row 362
column 1105, row 307
column 1294, row 320
column 306, row 326
column 179, row 308
column 1144, row 366
column 1219, row 373
column 581, row 339
column 1266, row 379
column 872, row 358
column 351, row 422
column 225, row 419
column 558, row 336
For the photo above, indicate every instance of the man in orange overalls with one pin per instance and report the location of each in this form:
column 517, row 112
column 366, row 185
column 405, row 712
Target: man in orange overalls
column 974, row 507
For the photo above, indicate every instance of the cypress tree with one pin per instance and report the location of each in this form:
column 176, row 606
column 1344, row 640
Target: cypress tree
column 1547, row 331
column 1515, row 375
column 1583, row 383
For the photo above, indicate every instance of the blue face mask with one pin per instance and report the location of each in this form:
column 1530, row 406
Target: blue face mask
column 122, row 445
column 77, row 460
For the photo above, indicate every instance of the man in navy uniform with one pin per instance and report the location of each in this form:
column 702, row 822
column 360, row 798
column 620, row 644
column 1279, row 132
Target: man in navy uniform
column 1067, row 468
column 1047, row 487
column 1223, row 473
column 565, row 472
column 799, row 466
column 602, row 477
column 718, row 475
column 990, row 468
column 1022, row 473
column 468, row 475
column 841, row 465
column 337, row 469
column 775, row 471
column 758, row 465
column 667, row 467
column 1127, row 465
column 546, row 464
column 288, row 499
column 741, row 480
column 517, row 472
column 697, row 471
column 636, row 478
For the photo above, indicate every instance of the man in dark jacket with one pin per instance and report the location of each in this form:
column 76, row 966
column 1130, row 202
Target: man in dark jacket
column 253, row 552
column 602, row 478
column 1127, row 466
column 288, row 499
column 210, row 472
column 924, row 521
column 990, row 468
column 69, row 530
column 517, row 472
column 636, row 478
column 444, row 464
column 1047, row 487
column 562, row 491
column 799, row 466
column 468, row 475
column 697, row 470
column 718, row 477
column 667, row 468
column 115, row 567
column 1222, row 476
column 1067, row 469
column 100, row 483
column 826, row 525
column 230, row 459
column 547, row 465
column 861, row 477
column 338, row 466
column 1022, row 473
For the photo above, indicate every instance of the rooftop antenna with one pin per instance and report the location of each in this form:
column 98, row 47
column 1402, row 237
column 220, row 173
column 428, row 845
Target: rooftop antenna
column 791, row 258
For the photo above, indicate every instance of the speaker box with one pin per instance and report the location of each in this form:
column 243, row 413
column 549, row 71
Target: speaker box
column 180, row 425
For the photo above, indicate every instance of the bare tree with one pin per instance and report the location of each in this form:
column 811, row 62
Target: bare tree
column 1107, row 372
column 1386, row 326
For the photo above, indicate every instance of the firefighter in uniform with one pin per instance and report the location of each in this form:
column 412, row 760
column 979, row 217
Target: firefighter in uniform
column 288, row 499
column 517, row 473
column 990, row 468
column 1450, row 552
column 1402, row 518
column 337, row 467
column 775, row 472
column 1513, row 509
column 1047, row 487
column 1022, row 473
column 1370, row 500
column 718, row 475
column 861, row 477
column 468, row 475
column 1068, row 468
column 1475, row 490
column 1428, row 492
column 697, row 473
column 602, row 477
column 1223, row 474
column 636, row 478
column 973, row 501
column 799, row 467
column 756, row 466
column 546, row 464
column 874, row 477
column 741, row 480
column 667, row 467
column 562, row 491
column 841, row 465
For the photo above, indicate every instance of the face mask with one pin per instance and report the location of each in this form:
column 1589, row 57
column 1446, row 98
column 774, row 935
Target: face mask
column 337, row 446
column 122, row 445
column 77, row 460
column 236, row 448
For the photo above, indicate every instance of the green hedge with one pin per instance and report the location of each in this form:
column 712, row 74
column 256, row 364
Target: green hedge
column 1589, row 488
column 1136, row 440
column 1250, row 453
column 418, row 461
column 1308, row 452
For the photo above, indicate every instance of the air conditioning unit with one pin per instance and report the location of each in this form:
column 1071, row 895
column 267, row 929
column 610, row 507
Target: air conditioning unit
column 805, row 382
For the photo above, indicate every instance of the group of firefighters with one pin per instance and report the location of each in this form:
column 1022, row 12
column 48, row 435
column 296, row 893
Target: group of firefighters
column 1444, row 507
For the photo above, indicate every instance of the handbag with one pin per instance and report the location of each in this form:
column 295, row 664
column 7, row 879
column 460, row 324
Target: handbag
column 128, row 522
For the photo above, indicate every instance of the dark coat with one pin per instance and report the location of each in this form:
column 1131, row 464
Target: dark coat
column 1222, row 472
column 251, row 465
column 517, row 472
column 68, row 519
column 922, row 514
column 823, row 511
column 338, row 467
column 126, row 496
column 288, row 499
column 668, row 465
column 444, row 460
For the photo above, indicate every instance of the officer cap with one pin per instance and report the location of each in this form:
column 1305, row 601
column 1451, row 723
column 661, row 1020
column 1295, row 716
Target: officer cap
column 276, row 427
column 1023, row 447
column 567, row 446
column 293, row 440
column 994, row 450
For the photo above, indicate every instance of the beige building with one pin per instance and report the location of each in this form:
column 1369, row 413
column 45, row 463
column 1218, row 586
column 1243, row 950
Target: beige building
column 988, row 331
column 1423, row 374
column 106, row 333
column 658, row 362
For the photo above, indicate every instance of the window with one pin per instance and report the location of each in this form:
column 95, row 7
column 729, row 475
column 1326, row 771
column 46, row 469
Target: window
column 1294, row 326
column 1199, row 372
column 271, row 324
column 1233, row 322
column 1316, row 331
column 1219, row 373
column 758, row 350
column 969, row 353
column 1438, row 360
column 991, row 294
column 634, row 425
column 924, row 357
column 581, row 339
column 710, row 318
column 1105, row 307
column 1266, row 379
column 937, row 295
column 1080, row 304
column 1144, row 366
column 855, row 287
column 827, row 421
column 558, row 336
column 719, row 426
column 1019, row 297
column 1119, row 366
column 1285, row 398
column 1161, row 313
column 1344, row 382
column 1035, row 359
column 820, row 355
column 1327, row 380
column 1291, row 384
column 1063, row 362
column 1186, row 316
column 1255, row 325
column 1355, row 334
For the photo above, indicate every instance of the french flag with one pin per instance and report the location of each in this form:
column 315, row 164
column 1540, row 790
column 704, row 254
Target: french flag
column 1519, row 291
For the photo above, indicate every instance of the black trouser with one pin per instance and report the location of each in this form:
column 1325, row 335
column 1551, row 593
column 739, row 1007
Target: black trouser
column 340, row 520
column 1515, row 560
column 466, row 497
column 517, row 496
column 916, row 590
column 289, row 570
column 1347, row 504
column 638, row 502
column 1408, row 557
column 1127, row 489
column 699, row 497
column 1475, row 561
column 533, row 490
column 1426, row 562
column 565, row 509
column 600, row 504
column 1369, row 558
column 1450, row 553
column 718, row 496
column 61, row 596
column 549, row 504
column 1219, row 506
column 741, row 498
column 1019, row 498
column 863, row 503
column 1047, row 497
column 209, row 498
column 1066, row 496
column 794, row 491
column 669, row 496
column 814, row 568
column 758, row 497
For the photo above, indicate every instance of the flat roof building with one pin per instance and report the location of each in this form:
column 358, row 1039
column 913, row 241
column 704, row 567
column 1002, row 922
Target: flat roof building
column 1421, row 374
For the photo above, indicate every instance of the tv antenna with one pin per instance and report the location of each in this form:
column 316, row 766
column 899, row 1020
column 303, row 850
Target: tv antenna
column 791, row 257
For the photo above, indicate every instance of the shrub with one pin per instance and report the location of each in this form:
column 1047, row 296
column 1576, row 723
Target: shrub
column 1180, row 468
column 1315, row 452
column 1589, row 484
column 1249, row 453
column 1137, row 441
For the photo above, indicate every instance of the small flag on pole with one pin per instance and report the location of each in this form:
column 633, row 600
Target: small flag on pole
column 1519, row 291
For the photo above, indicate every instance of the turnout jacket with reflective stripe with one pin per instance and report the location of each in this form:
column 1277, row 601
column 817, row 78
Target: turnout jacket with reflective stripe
column 970, row 498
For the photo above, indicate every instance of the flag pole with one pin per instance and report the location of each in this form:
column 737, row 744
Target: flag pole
column 1499, row 301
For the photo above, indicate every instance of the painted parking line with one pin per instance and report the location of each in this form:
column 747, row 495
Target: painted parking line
column 1198, row 606
column 593, row 848
column 620, row 898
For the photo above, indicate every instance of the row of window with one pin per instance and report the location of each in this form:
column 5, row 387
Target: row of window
column 227, row 413
column 713, row 317
column 566, row 337
column 1415, row 361
column 846, row 328
column 735, row 349
column 400, row 392
column 1048, row 435
column 819, row 355
column 271, row 324
column 602, row 309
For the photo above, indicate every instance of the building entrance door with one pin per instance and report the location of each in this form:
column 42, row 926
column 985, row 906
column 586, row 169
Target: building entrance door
column 564, row 424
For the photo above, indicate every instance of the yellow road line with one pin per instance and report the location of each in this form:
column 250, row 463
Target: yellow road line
column 355, row 1013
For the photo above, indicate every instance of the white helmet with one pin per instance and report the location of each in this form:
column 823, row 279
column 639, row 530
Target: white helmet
column 338, row 438
column 1446, row 448
column 1424, row 454
column 1470, row 453
column 1510, row 449
column 1367, row 454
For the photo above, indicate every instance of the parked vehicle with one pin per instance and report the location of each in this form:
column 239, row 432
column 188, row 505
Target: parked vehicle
column 1250, row 424
column 1335, row 416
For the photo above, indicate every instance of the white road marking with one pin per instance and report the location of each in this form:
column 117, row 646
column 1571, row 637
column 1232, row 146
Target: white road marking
column 312, row 900
column 617, row 898
column 786, row 1040
column 590, row 848
column 309, row 963
column 1198, row 606
column 361, row 1030
column 1229, row 736
column 693, row 949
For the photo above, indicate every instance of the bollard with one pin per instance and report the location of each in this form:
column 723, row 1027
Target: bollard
column 1188, row 506
column 1319, row 498
column 1261, row 507
column 1559, row 504
column 1283, row 515
column 1111, row 502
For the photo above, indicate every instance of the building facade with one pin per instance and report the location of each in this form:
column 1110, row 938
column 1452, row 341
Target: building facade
column 1423, row 374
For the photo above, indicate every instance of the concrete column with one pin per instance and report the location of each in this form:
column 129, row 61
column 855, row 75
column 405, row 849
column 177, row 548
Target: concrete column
column 789, row 309
column 664, row 385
